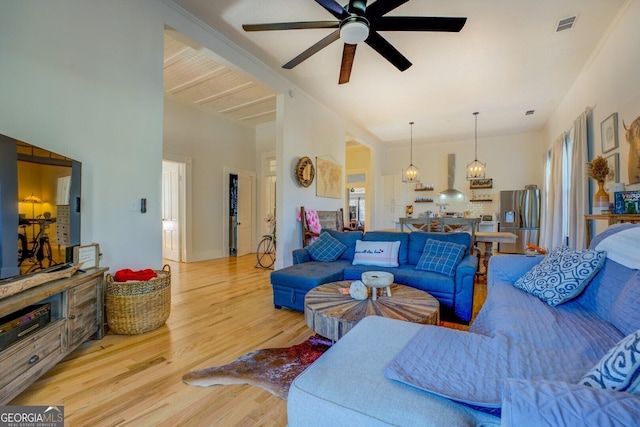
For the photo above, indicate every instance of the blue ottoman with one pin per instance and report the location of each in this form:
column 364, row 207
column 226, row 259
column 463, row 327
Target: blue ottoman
column 291, row 284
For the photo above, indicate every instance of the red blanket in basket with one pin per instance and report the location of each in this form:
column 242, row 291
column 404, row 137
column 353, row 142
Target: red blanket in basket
column 127, row 274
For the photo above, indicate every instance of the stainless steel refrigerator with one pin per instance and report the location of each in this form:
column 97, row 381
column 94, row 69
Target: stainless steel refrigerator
column 520, row 215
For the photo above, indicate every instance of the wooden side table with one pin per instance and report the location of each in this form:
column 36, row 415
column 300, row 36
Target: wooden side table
column 611, row 218
column 377, row 279
column 331, row 314
column 488, row 238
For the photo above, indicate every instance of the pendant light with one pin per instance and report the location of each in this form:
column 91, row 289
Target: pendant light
column 412, row 173
column 476, row 169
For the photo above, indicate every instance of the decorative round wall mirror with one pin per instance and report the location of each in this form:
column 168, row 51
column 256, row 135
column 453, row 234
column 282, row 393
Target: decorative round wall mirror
column 305, row 172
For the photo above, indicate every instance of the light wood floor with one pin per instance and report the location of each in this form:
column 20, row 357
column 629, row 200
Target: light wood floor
column 221, row 309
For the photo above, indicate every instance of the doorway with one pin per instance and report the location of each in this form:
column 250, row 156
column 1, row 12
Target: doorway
column 241, row 190
column 268, row 194
column 173, row 210
column 358, row 195
column 356, row 212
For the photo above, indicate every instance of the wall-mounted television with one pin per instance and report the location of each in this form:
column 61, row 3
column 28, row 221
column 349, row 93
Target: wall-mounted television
column 39, row 208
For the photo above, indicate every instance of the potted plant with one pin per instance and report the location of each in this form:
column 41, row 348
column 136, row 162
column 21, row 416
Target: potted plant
column 598, row 170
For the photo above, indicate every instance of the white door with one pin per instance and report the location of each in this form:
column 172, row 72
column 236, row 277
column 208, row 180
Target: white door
column 171, row 210
column 245, row 211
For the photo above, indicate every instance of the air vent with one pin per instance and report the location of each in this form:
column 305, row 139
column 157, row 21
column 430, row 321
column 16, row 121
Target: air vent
column 566, row 23
column 529, row 112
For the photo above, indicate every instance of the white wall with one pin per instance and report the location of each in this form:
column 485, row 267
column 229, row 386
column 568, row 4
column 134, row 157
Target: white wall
column 513, row 161
column 310, row 131
column 212, row 143
column 608, row 83
column 303, row 128
column 84, row 79
column 265, row 147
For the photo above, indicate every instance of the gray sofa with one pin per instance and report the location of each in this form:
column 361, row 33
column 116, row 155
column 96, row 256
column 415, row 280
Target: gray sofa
column 522, row 363
column 455, row 293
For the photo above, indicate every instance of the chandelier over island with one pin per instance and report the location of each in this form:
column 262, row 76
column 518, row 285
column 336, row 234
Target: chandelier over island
column 476, row 169
column 411, row 174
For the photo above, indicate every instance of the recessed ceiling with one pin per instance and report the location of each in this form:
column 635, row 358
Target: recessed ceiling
column 507, row 59
column 192, row 76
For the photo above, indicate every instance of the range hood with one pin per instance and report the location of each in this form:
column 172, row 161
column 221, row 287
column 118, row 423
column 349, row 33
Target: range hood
column 451, row 169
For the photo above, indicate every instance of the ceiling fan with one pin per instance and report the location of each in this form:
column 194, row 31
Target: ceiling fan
column 358, row 23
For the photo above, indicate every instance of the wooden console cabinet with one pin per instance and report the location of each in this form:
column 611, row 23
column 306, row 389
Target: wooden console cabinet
column 610, row 218
column 77, row 313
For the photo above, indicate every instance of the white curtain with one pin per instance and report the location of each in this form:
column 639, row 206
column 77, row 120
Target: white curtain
column 566, row 188
column 552, row 220
column 578, row 183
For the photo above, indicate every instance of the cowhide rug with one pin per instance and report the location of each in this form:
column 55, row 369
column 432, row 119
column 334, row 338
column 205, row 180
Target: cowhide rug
column 272, row 369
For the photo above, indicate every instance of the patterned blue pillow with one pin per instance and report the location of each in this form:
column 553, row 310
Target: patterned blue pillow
column 441, row 257
column 619, row 369
column 561, row 275
column 326, row 248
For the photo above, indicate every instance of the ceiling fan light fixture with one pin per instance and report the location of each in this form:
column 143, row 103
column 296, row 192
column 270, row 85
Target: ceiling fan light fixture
column 354, row 30
column 476, row 169
column 411, row 174
column 357, row 23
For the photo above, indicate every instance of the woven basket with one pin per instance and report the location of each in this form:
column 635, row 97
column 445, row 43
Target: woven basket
column 135, row 307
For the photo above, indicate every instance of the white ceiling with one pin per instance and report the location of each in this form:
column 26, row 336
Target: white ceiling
column 506, row 60
column 191, row 75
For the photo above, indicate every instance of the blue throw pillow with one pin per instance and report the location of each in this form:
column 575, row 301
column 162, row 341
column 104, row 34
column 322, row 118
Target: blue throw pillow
column 441, row 257
column 619, row 369
column 561, row 275
column 326, row 248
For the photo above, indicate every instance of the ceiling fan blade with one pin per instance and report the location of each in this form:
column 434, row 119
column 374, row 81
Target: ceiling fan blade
column 348, row 54
column 380, row 7
column 390, row 53
column 333, row 7
column 313, row 49
column 419, row 23
column 357, row 6
column 290, row 26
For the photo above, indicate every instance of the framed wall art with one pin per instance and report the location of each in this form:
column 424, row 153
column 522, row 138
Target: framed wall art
column 481, row 183
column 613, row 161
column 632, row 135
column 329, row 179
column 609, row 133
column 87, row 256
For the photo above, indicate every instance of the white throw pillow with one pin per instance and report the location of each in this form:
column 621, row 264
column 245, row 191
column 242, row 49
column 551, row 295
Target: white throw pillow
column 380, row 254
column 619, row 369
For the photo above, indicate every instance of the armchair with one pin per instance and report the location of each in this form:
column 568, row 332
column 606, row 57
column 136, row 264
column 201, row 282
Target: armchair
column 326, row 220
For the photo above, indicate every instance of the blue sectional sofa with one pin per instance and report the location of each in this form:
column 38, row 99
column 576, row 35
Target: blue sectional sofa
column 455, row 293
column 523, row 362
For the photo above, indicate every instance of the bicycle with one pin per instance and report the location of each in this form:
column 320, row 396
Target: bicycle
column 266, row 250
column 40, row 254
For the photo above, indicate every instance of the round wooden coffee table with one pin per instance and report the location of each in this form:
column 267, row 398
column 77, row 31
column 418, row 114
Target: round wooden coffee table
column 331, row 314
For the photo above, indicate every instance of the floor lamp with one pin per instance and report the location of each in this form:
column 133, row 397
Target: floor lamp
column 33, row 200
